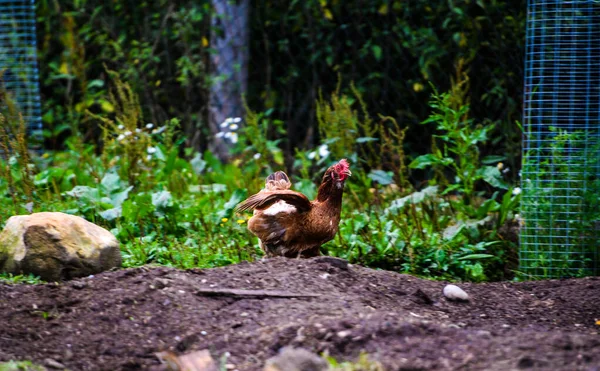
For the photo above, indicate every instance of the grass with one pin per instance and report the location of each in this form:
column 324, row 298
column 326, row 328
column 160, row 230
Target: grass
column 177, row 209
column 19, row 278
column 20, row 366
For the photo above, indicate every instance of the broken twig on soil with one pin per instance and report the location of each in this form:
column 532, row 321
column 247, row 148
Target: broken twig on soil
column 255, row 293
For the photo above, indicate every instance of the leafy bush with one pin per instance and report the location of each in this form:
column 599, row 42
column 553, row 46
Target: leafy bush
column 173, row 208
column 118, row 79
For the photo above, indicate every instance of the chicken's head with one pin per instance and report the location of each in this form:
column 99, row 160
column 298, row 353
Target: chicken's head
column 333, row 180
column 337, row 174
column 342, row 169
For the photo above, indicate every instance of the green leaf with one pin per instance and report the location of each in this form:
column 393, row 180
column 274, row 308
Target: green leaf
column 111, row 214
column 486, row 207
column 236, row 197
column 492, row 160
column 96, row 84
column 414, row 198
column 376, row 52
column 118, row 198
column 162, row 199
column 198, row 164
column 381, row 177
column 278, row 157
column 366, row 139
column 492, row 175
column 424, row 161
column 85, row 193
column 110, row 183
column 307, row 187
column 213, row 188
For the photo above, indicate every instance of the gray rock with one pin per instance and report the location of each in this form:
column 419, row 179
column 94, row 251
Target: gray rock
column 56, row 246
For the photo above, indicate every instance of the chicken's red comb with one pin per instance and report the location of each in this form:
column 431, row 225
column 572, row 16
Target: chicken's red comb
column 342, row 168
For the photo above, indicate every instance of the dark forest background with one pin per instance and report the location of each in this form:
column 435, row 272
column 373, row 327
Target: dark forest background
column 395, row 52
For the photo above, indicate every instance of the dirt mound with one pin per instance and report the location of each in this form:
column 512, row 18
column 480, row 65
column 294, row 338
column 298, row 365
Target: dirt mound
column 247, row 312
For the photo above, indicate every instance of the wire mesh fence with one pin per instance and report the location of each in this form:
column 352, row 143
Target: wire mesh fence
column 18, row 62
column 561, row 144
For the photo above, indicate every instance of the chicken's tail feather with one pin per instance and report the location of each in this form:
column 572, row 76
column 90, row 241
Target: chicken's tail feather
column 277, row 181
column 263, row 200
column 250, row 203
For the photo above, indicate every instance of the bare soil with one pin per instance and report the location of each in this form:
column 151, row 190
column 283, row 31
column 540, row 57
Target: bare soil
column 118, row 320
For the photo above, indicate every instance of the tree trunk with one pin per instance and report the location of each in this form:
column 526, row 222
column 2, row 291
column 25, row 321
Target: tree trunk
column 229, row 67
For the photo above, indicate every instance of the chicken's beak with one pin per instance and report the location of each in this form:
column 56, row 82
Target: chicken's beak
column 347, row 172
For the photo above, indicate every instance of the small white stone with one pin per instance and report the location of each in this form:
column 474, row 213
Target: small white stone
column 453, row 292
column 343, row 334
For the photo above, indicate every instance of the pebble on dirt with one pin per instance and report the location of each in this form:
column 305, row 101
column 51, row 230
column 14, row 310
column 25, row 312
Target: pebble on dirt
column 56, row 246
column 453, row 292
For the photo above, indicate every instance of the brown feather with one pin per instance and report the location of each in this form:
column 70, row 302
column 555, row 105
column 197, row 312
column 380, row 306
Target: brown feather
column 263, row 200
column 277, row 181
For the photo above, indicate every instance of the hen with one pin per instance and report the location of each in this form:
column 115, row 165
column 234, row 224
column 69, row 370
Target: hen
column 287, row 223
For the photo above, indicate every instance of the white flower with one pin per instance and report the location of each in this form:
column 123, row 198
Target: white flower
column 120, row 127
column 127, row 133
column 516, row 191
column 149, row 126
column 149, row 157
column 312, row 155
column 257, row 156
column 220, row 134
column 237, row 120
column 323, row 150
column 228, row 134
column 138, row 130
column 120, row 137
column 233, row 127
column 234, row 138
column 151, row 150
column 506, row 170
column 227, row 121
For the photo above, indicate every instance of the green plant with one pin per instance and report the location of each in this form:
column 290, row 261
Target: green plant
column 560, row 235
column 456, row 159
column 364, row 363
column 19, row 278
column 21, row 366
column 17, row 168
